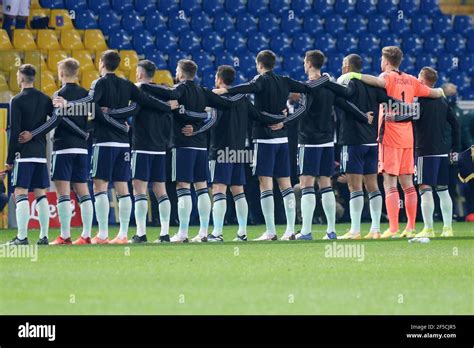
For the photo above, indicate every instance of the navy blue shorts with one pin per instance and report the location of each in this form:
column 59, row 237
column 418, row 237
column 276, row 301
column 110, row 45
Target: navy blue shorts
column 30, row 175
column 359, row 159
column 111, row 163
column 149, row 167
column 271, row 160
column 433, row 171
column 316, row 161
column 227, row 173
column 189, row 165
column 73, row 167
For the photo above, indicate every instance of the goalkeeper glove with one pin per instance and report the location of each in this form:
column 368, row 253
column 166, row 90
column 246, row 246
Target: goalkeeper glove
column 354, row 75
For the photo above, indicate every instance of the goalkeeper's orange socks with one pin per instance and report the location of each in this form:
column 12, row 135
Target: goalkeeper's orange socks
column 411, row 202
column 392, row 203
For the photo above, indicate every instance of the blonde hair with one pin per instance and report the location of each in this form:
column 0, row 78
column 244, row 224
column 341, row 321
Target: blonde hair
column 69, row 66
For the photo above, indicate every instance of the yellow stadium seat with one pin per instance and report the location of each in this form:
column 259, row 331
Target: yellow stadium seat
column 5, row 96
column 10, row 60
column 12, row 82
column 85, row 59
column 163, row 77
column 71, row 40
column 23, row 39
column 120, row 73
column 47, row 83
column 128, row 60
column 5, row 43
column 54, row 57
column 36, row 59
column 88, row 77
column 35, row 4
column 60, row 19
column 3, row 83
column 38, row 12
column 94, row 40
column 133, row 75
column 47, row 40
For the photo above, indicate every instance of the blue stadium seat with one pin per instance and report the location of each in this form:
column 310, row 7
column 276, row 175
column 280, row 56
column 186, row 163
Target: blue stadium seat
column 166, row 41
column 131, row 21
column 279, row 7
column 346, row 43
column 433, row 44
column 462, row 24
column 257, row 7
column 322, row 8
column 208, row 79
column 213, row 6
column 356, row 24
column 224, row 58
column 420, row 24
column 157, row 58
column 460, row 79
column 190, row 6
column 280, row 43
column 412, row 43
column 291, row 25
column 399, row 25
column 466, row 63
column 293, row 62
column 212, row 42
column 442, row 24
column 98, row 5
column 167, row 6
column 344, row 7
column 408, row 65
column 240, row 78
column 302, row 43
column 369, row 44
column 375, row 65
column 378, row 25
column 334, row 24
column 325, row 41
column 423, row 60
column 366, row 7
column 313, row 24
column 409, row 7
column 429, row 7
column 155, row 23
column 386, row 7
column 144, row 7
column 201, row 23
column 52, row 3
column 143, row 41
column 445, row 63
column 247, row 63
column 85, row 19
column 246, row 23
column 257, row 41
column 177, row 23
column 223, row 23
column 390, row 40
column 455, row 43
column 119, row 39
column 334, row 63
column 301, row 7
column 175, row 57
column 268, row 23
column 234, row 6
column 234, row 42
column 108, row 21
column 188, row 41
column 470, row 40
column 121, row 6
column 203, row 60
column 76, row 5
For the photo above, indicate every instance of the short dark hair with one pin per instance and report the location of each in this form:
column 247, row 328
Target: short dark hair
column 355, row 62
column 316, row 58
column 28, row 71
column 267, row 58
column 111, row 60
column 429, row 74
column 226, row 73
column 188, row 68
column 149, row 67
column 393, row 54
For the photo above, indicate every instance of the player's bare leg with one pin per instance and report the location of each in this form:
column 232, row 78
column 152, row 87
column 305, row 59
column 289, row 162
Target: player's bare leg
column 289, row 202
column 411, row 203
column 87, row 212
column 63, row 189
column 356, row 204
column 241, row 210
column 185, row 205
column 268, row 208
column 329, row 205
column 164, row 208
column 308, row 204
column 219, row 208
column 375, row 202
column 125, row 210
column 392, row 203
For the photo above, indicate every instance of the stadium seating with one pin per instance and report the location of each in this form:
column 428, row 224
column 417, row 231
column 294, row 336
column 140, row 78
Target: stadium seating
column 3, row 83
column 38, row 13
column 85, row 59
column 88, row 77
column 60, row 19
column 94, row 40
column 71, row 40
column 54, row 57
column 47, row 40
column 85, row 19
column 5, row 43
column 23, row 40
column 36, row 59
column 129, row 60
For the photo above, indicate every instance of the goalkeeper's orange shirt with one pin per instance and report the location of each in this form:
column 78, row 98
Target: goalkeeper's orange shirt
column 403, row 87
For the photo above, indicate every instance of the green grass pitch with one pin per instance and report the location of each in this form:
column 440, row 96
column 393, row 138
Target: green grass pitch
column 389, row 277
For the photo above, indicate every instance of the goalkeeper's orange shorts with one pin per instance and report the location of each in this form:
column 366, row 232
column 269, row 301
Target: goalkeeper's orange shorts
column 396, row 161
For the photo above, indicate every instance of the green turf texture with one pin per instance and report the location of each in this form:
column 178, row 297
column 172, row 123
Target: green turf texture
column 394, row 277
